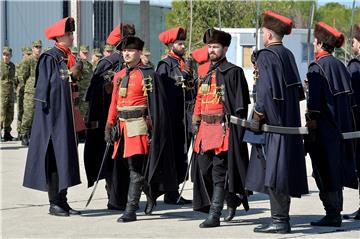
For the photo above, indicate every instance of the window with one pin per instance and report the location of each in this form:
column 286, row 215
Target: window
column 247, row 51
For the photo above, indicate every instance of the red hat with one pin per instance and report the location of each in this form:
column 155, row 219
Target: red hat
column 328, row 35
column 172, row 35
column 115, row 36
column 277, row 23
column 356, row 32
column 201, row 55
column 59, row 28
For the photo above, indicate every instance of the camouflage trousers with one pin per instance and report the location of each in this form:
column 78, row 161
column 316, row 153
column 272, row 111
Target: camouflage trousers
column 20, row 107
column 84, row 109
column 7, row 112
column 27, row 118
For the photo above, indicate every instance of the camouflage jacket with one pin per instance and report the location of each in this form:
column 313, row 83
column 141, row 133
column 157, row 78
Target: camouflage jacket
column 28, row 73
column 85, row 77
column 7, row 78
column 19, row 81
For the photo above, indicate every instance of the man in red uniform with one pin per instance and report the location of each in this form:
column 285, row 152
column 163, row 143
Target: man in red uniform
column 201, row 56
column 129, row 111
column 222, row 92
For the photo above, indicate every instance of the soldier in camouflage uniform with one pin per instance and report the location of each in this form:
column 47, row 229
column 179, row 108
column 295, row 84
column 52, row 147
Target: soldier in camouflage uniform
column 108, row 50
column 74, row 50
column 95, row 57
column 19, row 86
column 28, row 75
column 7, row 93
column 85, row 78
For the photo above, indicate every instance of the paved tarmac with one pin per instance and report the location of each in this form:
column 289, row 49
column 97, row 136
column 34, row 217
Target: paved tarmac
column 24, row 212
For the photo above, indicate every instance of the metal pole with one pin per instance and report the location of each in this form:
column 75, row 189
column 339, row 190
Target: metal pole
column 219, row 15
column 312, row 11
column 190, row 30
column 351, row 27
column 257, row 25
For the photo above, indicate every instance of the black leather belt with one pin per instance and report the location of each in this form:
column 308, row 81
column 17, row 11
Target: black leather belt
column 130, row 114
column 212, row 119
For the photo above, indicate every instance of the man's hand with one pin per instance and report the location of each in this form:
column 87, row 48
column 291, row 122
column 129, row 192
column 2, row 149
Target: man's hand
column 196, row 119
column 108, row 129
column 311, row 124
column 76, row 69
column 256, row 122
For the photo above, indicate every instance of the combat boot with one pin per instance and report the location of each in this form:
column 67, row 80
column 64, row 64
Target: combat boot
column 25, row 140
column 7, row 137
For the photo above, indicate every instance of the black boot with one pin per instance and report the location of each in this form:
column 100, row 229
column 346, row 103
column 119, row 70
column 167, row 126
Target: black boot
column 217, row 203
column 65, row 204
column 328, row 221
column 277, row 226
column 355, row 215
column 55, row 198
column 134, row 194
column 7, row 137
column 280, row 206
column 232, row 201
column 332, row 202
column 25, row 140
column 151, row 203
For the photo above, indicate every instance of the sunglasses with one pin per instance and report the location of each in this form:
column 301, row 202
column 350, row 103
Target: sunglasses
column 38, row 46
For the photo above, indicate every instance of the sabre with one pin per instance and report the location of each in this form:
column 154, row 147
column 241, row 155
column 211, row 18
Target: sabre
column 189, row 155
column 98, row 177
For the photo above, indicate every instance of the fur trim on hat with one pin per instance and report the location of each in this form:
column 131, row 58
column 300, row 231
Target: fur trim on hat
column 212, row 35
column 328, row 35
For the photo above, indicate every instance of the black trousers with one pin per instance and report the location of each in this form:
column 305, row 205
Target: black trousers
column 118, row 176
column 279, row 206
column 55, row 197
column 332, row 201
column 213, row 167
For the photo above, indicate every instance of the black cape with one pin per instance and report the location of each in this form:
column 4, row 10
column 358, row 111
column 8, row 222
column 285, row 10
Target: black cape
column 236, row 102
column 354, row 70
column 330, row 96
column 99, row 102
column 53, row 121
column 278, row 93
column 169, row 71
column 161, row 170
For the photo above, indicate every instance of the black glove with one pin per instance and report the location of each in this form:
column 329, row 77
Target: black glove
column 108, row 130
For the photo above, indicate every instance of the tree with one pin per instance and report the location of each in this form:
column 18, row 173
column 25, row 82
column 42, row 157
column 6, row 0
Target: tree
column 234, row 14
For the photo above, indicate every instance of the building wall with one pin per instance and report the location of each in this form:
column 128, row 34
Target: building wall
column 26, row 22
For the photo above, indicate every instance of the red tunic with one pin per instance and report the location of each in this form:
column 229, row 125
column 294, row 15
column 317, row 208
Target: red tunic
column 210, row 136
column 133, row 144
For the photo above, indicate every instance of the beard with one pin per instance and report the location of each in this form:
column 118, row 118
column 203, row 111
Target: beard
column 215, row 58
column 179, row 53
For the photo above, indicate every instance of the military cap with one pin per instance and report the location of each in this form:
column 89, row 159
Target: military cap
column 74, row 50
column 356, row 32
column 328, row 35
column 7, row 50
column 28, row 50
column 131, row 42
column 84, row 48
column 23, row 49
column 36, row 43
column 279, row 24
column 212, row 35
column 172, row 35
column 146, row 52
column 108, row 47
column 97, row 52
